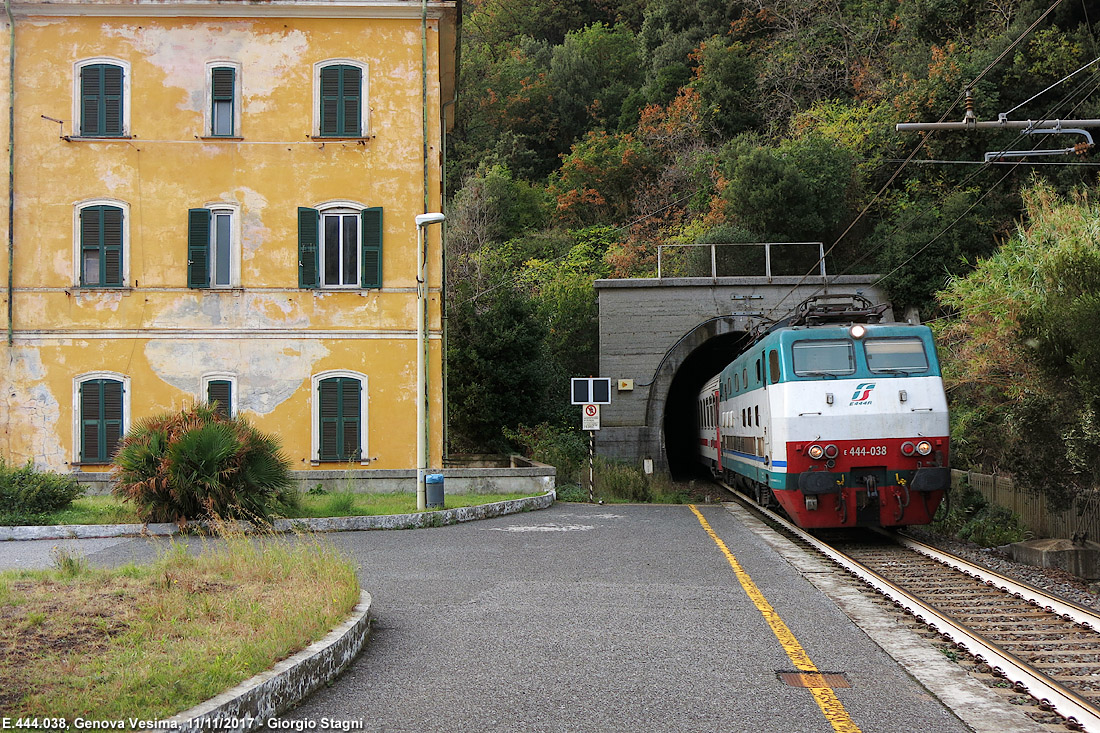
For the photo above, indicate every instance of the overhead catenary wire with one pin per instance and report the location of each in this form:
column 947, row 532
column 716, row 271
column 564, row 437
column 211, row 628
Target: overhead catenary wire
column 910, row 158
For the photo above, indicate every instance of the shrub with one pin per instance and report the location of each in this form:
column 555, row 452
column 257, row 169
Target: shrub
column 970, row 517
column 26, row 494
column 200, row 464
column 615, row 480
column 563, row 448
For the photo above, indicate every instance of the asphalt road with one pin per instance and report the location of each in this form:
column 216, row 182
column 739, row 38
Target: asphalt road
column 584, row 618
column 588, row 618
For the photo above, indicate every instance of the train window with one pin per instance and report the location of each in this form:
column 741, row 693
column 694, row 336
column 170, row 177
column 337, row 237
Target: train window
column 758, row 416
column 758, row 371
column 896, row 355
column 814, row 358
column 743, row 418
column 736, row 383
column 745, row 377
column 773, row 365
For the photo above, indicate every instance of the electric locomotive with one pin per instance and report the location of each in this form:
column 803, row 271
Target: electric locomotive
column 835, row 416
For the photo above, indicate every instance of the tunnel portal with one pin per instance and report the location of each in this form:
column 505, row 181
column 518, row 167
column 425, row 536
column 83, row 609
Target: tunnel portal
column 681, row 417
column 661, row 339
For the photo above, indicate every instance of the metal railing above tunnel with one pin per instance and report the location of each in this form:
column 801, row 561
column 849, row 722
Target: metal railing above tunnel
column 713, row 246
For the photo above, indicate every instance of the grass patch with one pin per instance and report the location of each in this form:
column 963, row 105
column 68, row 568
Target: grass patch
column 348, row 504
column 110, row 510
column 150, row 641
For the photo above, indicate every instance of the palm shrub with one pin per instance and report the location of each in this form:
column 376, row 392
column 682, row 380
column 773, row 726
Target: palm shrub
column 198, row 463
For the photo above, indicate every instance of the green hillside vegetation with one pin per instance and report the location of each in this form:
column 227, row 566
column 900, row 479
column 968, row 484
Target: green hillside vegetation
column 591, row 131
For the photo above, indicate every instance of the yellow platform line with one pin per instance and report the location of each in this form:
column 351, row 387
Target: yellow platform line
column 826, row 699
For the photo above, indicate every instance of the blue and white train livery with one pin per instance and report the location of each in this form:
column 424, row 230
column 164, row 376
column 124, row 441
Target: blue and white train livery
column 839, row 418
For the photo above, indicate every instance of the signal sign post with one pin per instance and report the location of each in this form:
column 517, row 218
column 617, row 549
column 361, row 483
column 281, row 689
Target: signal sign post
column 590, row 393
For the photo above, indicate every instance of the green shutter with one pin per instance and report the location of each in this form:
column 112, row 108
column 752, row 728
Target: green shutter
column 329, row 396
column 330, row 101
column 101, row 241
column 223, row 82
column 198, row 248
column 339, row 406
column 309, row 233
column 341, row 101
column 371, row 224
column 90, row 218
column 100, row 420
column 220, row 392
column 101, row 100
column 351, row 85
column 112, row 245
column 349, row 413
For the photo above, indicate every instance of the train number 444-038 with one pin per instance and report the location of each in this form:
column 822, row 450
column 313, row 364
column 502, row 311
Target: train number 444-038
column 866, row 450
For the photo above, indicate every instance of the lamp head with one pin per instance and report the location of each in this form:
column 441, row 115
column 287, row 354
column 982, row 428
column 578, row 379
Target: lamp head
column 423, row 220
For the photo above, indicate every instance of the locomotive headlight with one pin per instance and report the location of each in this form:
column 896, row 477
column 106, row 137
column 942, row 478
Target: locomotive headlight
column 816, row 452
column 907, row 448
column 857, row 331
column 924, row 447
column 831, row 451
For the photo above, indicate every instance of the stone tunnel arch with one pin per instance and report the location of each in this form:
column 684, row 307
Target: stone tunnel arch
column 696, row 357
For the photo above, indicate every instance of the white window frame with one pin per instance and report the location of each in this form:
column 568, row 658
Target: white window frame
column 340, row 208
column 79, row 380
column 315, row 413
column 208, row 112
column 78, row 262
column 126, row 96
column 364, row 96
column 204, row 384
column 234, row 211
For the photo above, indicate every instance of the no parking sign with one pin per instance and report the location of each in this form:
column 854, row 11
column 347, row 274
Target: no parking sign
column 590, row 417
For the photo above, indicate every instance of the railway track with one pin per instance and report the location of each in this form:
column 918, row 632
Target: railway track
column 1042, row 645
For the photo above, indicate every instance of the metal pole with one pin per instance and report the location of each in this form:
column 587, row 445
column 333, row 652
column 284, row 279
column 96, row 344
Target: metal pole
column 421, row 366
column 422, row 418
column 591, row 465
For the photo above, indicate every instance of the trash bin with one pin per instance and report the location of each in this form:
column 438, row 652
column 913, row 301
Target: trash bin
column 433, row 491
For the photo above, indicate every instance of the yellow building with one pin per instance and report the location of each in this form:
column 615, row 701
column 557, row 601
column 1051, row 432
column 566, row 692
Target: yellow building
column 216, row 200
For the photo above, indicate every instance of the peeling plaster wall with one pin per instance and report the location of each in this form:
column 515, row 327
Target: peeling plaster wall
column 270, row 334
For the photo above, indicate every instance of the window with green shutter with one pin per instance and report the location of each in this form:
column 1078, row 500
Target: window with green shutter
column 340, row 402
column 210, row 248
column 101, row 419
column 341, row 95
column 101, row 229
column 101, row 100
column 219, row 392
column 223, row 97
column 340, row 248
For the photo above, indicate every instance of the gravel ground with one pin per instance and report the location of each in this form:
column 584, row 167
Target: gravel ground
column 1053, row 581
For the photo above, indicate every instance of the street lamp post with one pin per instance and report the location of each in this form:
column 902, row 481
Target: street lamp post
column 422, row 422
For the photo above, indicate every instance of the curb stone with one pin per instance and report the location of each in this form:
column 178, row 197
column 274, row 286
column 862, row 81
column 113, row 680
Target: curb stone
column 418, row 520
column 258, row 700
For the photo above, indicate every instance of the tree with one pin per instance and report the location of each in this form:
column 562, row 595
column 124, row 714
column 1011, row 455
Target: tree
column 1020, row 355
column 496, row 372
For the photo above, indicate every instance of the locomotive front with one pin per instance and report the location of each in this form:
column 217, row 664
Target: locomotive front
column 859, row 426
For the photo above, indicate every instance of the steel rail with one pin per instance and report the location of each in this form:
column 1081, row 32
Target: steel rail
column 1075, row 709
column 1070, row 611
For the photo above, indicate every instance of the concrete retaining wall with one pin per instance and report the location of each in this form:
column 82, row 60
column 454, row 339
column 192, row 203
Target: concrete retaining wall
column 520, row 477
